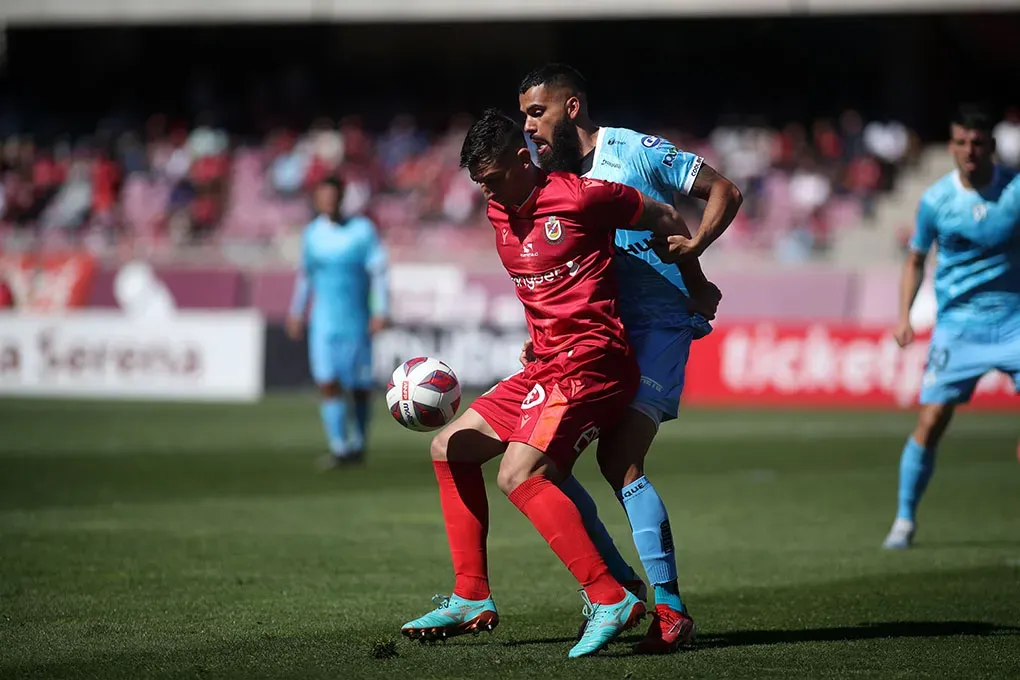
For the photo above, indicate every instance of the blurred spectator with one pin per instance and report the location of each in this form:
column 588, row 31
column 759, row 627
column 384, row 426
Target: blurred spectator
column 1007, row 138
column 862, row 180
column 174, row 185
column 887, row 141
column 809, row 189
column 403, row 142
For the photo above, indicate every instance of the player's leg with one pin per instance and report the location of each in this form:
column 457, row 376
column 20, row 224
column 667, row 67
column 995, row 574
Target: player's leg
column 600, row 536
column 458, row 453
column 662, row 356
column 358, row 370
column 322, row 357
column 952, row 372
column 552, row 433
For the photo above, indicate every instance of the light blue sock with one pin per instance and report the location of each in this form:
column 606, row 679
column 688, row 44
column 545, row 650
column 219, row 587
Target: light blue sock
column 653, row 539
column 597, row 531
column 334, row 421
column 916, row 465
column 362, row 409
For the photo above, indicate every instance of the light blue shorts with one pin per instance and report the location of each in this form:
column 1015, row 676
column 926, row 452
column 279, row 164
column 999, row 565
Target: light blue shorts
column 959, row 357
column 662, row 357
column 344, row 360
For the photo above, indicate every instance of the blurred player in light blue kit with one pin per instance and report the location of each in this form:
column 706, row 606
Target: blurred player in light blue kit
column 659, row 305
column 973, row 216
column 344, row 270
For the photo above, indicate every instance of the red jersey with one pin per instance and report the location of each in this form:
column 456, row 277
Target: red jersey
column 557, row 248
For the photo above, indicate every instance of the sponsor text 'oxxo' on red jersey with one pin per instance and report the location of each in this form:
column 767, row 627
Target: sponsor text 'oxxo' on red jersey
column 557, row 248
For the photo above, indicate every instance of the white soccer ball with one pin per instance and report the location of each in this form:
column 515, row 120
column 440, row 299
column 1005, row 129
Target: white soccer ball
column 424, row 394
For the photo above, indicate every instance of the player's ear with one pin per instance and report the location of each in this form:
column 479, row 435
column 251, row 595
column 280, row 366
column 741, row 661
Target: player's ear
column 524, row 156
column 573, row 106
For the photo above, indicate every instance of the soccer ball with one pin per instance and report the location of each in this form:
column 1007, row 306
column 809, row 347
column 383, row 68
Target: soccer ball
column 423, row 394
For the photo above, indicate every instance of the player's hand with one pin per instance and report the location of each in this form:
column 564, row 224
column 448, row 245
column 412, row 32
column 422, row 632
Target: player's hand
column 527, row 352
column 377, row 323
column 295, row 327
column 704, row 299
column 904, row 333
column 676, row 248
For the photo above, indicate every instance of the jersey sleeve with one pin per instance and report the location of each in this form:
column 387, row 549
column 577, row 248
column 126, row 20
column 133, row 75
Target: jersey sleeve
column 302, row 283
column 670, row 168
column 608, row 205
column 377, row 266
column 924, row 230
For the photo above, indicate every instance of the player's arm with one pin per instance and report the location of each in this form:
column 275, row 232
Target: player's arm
column 665, row 223
column 913, row 271
column 295, row 323
column 687, row 174
column 377, row 267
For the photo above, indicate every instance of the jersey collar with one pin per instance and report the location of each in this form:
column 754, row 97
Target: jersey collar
column 994, row 181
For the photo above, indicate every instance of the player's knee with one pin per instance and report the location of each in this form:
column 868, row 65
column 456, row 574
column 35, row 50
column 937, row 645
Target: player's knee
column 931, row 423
column 439, row 445
column 512, row 476
column 330, row 390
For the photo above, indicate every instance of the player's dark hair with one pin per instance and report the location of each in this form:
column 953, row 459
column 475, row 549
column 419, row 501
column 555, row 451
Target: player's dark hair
column 558, row 75
column 489, row 139
column 973, row 117
column 332, row 182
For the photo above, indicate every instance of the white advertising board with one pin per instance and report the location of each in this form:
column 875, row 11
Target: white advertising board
column 187, row 356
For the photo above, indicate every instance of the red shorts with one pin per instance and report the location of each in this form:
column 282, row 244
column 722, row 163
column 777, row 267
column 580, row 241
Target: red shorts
column 560, row 405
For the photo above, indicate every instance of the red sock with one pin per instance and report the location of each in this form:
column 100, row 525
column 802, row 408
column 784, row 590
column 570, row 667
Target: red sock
column 466, row 513
column 559, row 522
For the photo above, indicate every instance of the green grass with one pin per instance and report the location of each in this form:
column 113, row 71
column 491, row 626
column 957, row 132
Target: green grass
column 183, row 541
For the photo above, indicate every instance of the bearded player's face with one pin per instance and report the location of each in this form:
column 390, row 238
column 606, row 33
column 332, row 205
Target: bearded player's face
column 548, row 123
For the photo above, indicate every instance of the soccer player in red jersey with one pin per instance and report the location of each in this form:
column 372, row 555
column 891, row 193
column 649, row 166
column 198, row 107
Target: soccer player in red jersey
column 554, row 234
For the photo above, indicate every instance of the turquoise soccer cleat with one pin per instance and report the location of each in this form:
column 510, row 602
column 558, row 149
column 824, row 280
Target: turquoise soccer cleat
column 605, row 622
column 453, row 616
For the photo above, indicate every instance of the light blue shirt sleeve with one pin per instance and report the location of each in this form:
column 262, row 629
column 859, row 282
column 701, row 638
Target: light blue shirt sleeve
column 377, row 266
column 925, row 230
column 302, row 286
column 671, row 168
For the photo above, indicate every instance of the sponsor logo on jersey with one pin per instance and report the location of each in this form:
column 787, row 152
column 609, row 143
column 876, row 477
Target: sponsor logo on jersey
column 528, row 250
column 553, row 230
column 535, row 397
column 671, row 154
column 531, row 281
column 587, row 437
column 606, row 161
column 651, row 141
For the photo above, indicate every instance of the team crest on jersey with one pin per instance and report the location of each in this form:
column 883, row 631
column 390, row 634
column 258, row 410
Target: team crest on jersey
column 980, row 212
column 535, row 397
column 553, row 230
column 651, row 141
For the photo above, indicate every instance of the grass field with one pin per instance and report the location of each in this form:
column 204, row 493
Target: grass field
column 159, row 541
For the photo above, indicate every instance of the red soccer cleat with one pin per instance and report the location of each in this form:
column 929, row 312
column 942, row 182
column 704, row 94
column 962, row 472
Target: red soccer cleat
column 669, row 631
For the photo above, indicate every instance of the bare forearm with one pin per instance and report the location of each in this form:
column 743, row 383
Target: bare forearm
column 910, row 283
column 724, row 200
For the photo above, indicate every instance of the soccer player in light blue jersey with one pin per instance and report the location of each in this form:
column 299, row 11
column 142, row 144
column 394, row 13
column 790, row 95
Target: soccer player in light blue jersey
column 973, row 216
column 343, row 270
column 659, row 305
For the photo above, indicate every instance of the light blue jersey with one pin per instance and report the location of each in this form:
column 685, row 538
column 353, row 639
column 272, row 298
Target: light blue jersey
column 653, row 298
column 652, row 294
column 343, row 267
column 977, row 282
